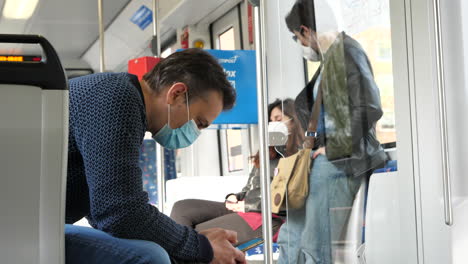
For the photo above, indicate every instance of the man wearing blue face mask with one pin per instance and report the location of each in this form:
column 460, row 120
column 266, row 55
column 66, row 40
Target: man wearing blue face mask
column 181, row 137
column 109, row 115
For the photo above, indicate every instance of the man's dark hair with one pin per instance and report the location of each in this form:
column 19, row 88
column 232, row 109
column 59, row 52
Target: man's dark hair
column 302, row 14
column 198, row 70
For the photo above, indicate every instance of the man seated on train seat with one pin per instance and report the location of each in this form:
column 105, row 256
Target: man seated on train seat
column 109, row 115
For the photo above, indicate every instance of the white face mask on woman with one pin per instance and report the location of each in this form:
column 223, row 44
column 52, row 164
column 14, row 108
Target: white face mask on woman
column 278, row 133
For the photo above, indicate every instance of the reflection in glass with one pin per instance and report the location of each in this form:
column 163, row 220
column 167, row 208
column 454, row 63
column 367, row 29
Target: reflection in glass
column 346, row 151
column 376, row 40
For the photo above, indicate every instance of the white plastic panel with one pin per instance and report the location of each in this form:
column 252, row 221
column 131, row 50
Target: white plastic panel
column 212, row 188
column 408, row 236
column 435, row 243
column 53, row 176
column 33, row 154
column 455, row 36
column 20, row 163
column 354, row 228
column 442, row 243
column 383, row 220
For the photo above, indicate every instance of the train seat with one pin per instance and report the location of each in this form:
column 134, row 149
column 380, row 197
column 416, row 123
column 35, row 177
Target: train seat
column 33, row 156
column 383, row 217
column 369, row 220
column 213, row 188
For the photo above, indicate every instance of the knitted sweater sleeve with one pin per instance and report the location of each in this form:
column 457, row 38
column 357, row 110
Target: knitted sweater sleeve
column 109, row 131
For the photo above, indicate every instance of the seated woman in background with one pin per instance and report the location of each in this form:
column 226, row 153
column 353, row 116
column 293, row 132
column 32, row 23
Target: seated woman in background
column 241, row 212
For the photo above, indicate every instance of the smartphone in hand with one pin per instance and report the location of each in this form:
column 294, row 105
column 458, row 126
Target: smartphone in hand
column 250, row 244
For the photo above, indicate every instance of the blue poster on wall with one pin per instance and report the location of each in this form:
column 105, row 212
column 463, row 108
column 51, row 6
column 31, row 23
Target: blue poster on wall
column 240, row 68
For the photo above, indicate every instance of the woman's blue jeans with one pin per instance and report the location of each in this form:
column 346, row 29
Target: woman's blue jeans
column 91, row 246
column 306, row 237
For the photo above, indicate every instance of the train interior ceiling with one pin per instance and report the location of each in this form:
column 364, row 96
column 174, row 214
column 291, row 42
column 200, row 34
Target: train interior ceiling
column 400, row 211
column 72, row 28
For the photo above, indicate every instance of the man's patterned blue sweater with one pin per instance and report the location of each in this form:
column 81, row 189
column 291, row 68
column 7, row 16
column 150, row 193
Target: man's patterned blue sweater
column 104, row 183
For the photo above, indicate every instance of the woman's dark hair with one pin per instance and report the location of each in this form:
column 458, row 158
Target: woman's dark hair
column 302, row 14
column 286, row 106
column 296, row 136
column 198, row 70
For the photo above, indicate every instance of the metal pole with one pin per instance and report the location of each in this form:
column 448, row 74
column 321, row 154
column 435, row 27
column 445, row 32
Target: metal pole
column 446, row 176
column 155, row 10
column 260, row 46
column 161, row 177
column 156, row 27
column 102, row 66
column 159, row 149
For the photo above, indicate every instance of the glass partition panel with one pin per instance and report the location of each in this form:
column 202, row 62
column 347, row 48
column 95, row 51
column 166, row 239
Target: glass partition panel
column 335, row 127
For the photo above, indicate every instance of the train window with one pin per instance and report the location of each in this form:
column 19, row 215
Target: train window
column 376, row 41
column 166, row 52
column 234, row 149
column 226, row 40
column 348, row 46
column 312, row 67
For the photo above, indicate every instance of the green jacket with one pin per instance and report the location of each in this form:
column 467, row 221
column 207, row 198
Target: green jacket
column 351, row 100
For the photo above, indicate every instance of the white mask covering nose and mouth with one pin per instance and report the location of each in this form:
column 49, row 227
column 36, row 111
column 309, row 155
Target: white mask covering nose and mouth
column 309, row 53
column 278, row 133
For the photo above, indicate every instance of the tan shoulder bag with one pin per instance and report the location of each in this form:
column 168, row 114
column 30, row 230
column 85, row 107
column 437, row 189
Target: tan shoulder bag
column 292, row 172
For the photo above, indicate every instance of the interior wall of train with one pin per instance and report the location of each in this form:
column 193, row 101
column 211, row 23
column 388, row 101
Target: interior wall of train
column 414, row 210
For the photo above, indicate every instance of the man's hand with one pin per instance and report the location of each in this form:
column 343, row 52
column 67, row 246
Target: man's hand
column 221, row 241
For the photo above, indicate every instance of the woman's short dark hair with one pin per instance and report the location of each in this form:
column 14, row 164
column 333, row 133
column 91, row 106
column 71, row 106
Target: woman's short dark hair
column 286, row 106
column 302, row 14
column 198, row 70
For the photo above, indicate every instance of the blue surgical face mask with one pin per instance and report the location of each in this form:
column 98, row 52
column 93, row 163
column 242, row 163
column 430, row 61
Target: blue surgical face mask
column 177, row 138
